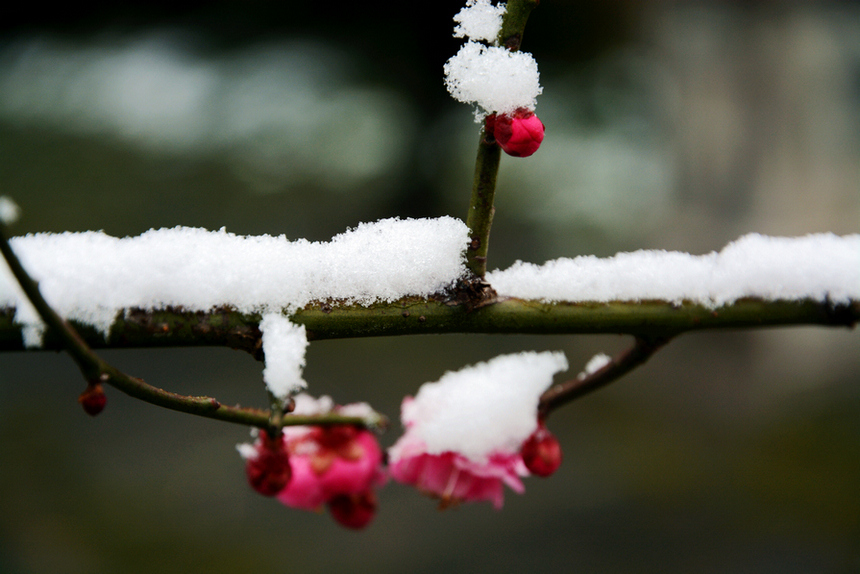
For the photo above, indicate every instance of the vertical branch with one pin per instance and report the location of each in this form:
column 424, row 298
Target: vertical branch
column 514, row 22
column 481, row 208
column 480, row 217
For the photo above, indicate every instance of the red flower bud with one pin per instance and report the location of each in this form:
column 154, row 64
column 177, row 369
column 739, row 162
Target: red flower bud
column 269, row 470
column 519, row 134
column 541, row 452
column 93, row 399
column 353, row 510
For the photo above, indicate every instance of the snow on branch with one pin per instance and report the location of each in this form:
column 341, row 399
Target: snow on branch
column 91, row 277
column 820, row 267
column 96, row 280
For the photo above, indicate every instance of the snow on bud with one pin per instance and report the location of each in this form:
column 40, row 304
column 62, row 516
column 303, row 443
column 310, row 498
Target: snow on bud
column 541, row 452
column 494, row 78
column 353, row 510
column 519, row 134
column 93, row 399
column 268, row 467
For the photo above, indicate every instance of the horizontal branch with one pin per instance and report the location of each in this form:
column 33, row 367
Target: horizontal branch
column 412, row 316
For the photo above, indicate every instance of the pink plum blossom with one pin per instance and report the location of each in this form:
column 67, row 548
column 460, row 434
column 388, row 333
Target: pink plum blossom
column 465, row 432
column 453, row 478
column 450, row 476
column 328, row 462
column 519, row 134
column 311, row 466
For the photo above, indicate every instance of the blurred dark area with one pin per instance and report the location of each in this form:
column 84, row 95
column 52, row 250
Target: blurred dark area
column 670, row 125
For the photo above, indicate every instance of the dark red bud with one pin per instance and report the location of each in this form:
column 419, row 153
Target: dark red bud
column 353, row 510
column 269, row 470
column 93, row 399
column 541, row 452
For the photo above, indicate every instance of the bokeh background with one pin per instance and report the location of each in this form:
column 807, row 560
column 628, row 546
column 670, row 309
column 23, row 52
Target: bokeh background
column 676, row 125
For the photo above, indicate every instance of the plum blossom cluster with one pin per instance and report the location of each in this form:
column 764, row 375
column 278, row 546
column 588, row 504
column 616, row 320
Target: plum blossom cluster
column 309, row 468
column 503, row 84
column 467, row 436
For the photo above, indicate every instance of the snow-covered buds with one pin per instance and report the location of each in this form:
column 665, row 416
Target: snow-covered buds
column 541, row 452
column 519, row 134
column 268, row 468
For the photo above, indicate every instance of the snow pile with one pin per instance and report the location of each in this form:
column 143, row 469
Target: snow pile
column 493, row 77
column 90, row 277
column 594, row 364
column 821, row 267
column 482, row 409
column 284, row 346
column 480, row 20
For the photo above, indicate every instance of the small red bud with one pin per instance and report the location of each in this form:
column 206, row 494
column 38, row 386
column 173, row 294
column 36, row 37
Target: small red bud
column 93, row 399
column 353, row 510
column 269, row 470
column 541, row 452
column 519, row 134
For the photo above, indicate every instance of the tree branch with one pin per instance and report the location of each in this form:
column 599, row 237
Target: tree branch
column 616, row 368
column 136, row 328
column 98, row 372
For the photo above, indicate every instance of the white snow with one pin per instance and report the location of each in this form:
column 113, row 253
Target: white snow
column 485, row 408
column 9, row 210
column 479, row 20
column 284, row 346
column 494, row 78
column 820, row 267
column 594, row 364
column 90, row 277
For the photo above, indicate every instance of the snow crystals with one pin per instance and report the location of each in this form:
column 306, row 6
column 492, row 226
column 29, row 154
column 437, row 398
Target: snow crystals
column 91, row 277
column 493, row 77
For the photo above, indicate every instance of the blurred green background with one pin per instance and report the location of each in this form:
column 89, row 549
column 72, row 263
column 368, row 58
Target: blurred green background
column 676, row 125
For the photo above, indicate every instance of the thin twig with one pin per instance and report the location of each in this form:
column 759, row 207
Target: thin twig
column 96, row 371
column 617, row 367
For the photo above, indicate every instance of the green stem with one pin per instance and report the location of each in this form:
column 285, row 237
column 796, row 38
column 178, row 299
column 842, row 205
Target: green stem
column 514, row 23
column 481, row 209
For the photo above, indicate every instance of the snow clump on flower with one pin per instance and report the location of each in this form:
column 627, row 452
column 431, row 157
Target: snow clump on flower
column 464, row 432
